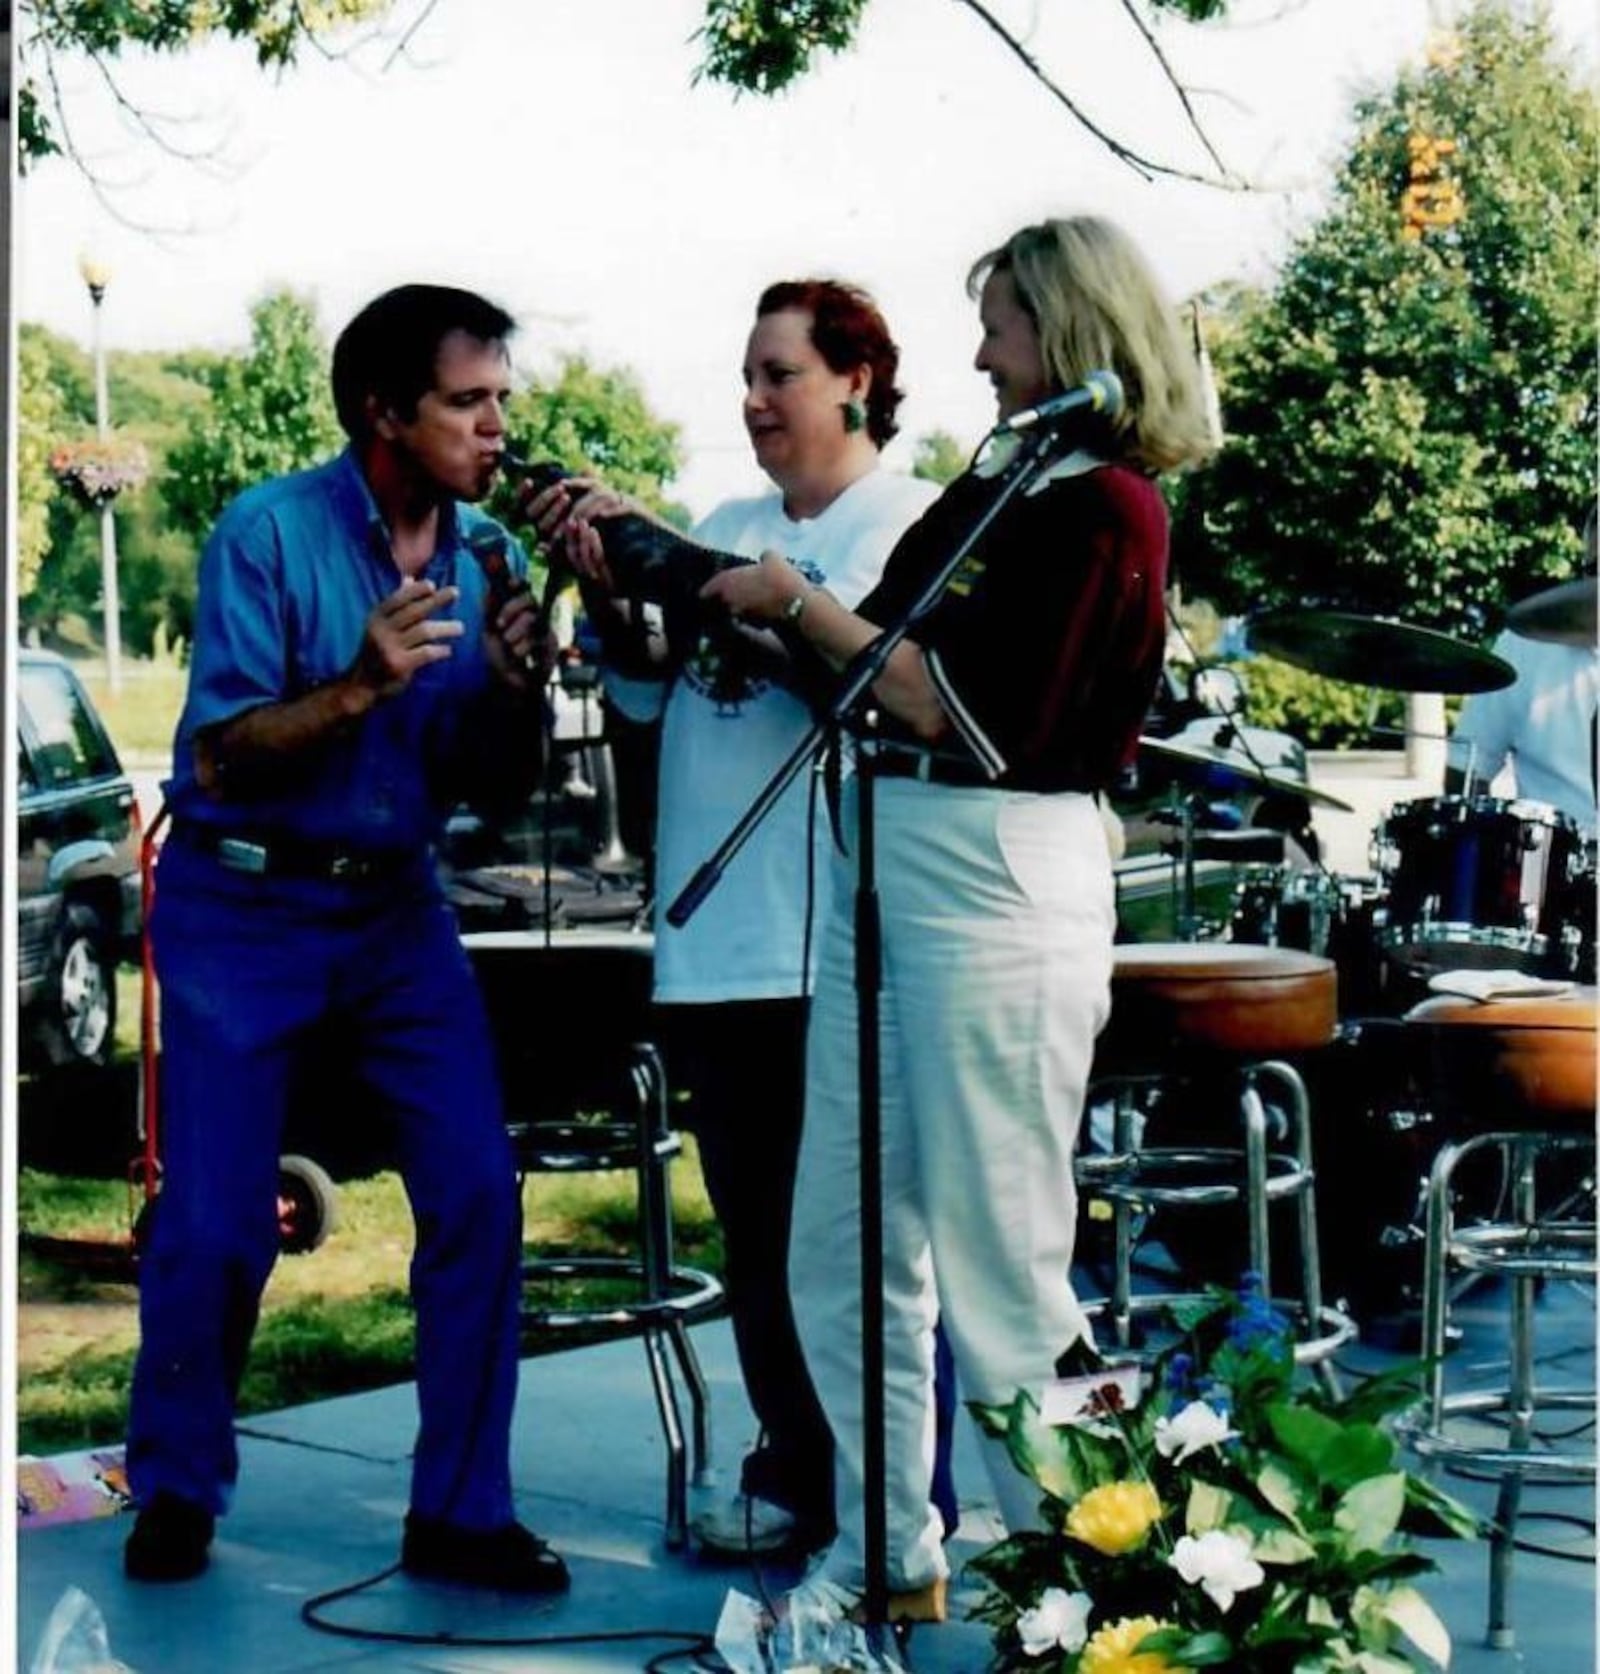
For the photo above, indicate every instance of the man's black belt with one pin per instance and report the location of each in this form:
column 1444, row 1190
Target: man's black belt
column 897, row 762
column 278, row 855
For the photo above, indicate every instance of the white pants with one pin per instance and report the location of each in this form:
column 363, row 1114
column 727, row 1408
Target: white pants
column 998, row 915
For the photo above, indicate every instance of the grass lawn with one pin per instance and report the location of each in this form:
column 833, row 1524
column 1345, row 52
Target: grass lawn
column 141, row 716
column 332, row 1322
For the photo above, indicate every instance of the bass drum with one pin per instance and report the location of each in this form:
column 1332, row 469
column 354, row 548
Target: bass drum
column 1332, row 914
column 1479, row 884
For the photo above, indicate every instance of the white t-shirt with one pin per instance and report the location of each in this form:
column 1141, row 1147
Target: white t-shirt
column 723, row 735
column 1542, row 724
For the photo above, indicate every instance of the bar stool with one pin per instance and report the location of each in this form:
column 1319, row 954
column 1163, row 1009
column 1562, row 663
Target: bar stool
column 1520, row 1074
column 1231, row 1012
column 585, row 1092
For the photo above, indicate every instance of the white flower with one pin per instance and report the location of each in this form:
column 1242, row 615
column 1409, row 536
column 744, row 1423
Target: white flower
column 1197, row 1426
column 1220, row 1562
column 1059, row 1619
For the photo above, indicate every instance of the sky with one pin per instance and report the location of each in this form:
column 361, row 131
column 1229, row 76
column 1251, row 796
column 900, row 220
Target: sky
column 555, row 155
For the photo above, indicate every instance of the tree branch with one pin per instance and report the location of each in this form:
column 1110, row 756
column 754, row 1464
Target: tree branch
column 1177, row 86
column 399, row 49
column 1147, row 167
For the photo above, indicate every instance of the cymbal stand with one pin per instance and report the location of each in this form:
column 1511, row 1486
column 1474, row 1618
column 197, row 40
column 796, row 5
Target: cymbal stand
column 1188, row 919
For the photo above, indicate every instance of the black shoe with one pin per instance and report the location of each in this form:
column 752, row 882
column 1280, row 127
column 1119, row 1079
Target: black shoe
column 511, row 1559
column 171, row 1541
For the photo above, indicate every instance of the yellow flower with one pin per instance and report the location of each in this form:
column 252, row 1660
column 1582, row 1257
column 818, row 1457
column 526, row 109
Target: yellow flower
column 1114, row 1518
column 1111, row 1651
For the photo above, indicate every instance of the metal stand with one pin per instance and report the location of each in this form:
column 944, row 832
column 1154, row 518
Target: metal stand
column 849, row 710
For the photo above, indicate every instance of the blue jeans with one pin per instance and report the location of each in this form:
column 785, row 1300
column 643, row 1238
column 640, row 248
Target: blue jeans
column 250, row 969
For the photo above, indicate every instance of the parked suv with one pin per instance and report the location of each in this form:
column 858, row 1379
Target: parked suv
column 78, row 905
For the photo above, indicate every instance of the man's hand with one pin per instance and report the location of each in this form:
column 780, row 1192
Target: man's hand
column 404, row 633
column 521, row 651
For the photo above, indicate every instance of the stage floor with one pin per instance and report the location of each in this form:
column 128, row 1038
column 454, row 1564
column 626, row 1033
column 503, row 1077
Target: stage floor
column 323, row 1491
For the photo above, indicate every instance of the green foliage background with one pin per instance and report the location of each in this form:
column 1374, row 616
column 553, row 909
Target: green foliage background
column 216, row 423
column 1412, row 423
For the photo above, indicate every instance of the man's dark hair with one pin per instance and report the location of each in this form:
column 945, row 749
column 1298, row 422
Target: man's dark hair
column 390, row 350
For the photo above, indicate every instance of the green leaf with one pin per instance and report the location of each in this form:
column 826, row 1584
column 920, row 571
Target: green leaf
column 1065, row 1463
column 1370, row 1512
column 1361, row 1451
column 1278, row 1545
column 1188, row 1315
column 1319, row 1613
column 1207, row 1508
column 1279, row 1488
column 1376, row 1397
column 1303, row 1434
column 1431, row 1511
column 1198, row 1650
column 1416, row 1619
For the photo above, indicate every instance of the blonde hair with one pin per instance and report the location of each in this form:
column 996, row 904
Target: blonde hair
column 1096, row 305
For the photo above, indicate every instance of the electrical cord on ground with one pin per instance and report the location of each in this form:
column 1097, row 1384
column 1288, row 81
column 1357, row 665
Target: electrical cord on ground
column 693, row 1643
column 1566, row 1555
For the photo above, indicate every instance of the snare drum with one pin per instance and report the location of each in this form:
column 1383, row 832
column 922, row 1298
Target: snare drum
column 1478, row 883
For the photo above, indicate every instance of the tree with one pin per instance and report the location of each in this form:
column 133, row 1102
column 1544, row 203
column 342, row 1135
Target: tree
column 940, row 457
column 271, row 411
column 58, row 576
column 762, row 46
column 1411, row 411
column 101, row 31
column 39, row 411
column 596, row 419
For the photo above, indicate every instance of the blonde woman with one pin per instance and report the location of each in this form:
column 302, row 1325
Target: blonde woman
column 1014, row 700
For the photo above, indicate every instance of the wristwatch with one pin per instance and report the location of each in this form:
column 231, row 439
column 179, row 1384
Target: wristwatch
column 792, row 610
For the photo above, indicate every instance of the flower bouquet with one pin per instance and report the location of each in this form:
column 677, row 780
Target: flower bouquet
column 1209, row 1513
column 98, row 471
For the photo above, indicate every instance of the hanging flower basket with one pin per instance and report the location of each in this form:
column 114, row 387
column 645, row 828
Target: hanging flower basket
column 96, row 472
column 1205, row 1512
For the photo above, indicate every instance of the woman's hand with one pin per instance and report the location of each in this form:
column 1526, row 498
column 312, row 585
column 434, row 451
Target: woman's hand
column 568, row 512
column 761, row 592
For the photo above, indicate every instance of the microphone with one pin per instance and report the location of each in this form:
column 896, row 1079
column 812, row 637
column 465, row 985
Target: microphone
column 487, row 544
column 1099, row 395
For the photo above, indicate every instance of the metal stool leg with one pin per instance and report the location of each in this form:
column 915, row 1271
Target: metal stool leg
column 1436, row 1279
column 1122, row 1224
column 1519, row 1406
column 672, row 1429
column 699, row 1401
column 1254, row 1113
column 1288, row 1077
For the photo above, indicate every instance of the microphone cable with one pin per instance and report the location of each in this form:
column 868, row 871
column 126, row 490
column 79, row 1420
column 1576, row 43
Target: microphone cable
column 691, row 1642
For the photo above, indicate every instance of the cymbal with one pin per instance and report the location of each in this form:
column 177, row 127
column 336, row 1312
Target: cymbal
column 1563, row 615
column 1232, row 765
column 1378, row 651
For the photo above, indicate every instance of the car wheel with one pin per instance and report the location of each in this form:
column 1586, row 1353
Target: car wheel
column 80, row 1020
column 308, row 1205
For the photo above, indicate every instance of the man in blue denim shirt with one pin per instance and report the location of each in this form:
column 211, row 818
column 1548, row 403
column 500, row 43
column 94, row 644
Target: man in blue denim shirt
column 365, row 658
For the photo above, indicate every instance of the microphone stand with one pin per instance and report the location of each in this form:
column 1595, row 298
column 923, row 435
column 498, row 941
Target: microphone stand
column 856, row 682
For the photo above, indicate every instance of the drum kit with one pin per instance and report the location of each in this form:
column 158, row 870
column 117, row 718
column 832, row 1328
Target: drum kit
column 1465, row 881
column 1481, row 888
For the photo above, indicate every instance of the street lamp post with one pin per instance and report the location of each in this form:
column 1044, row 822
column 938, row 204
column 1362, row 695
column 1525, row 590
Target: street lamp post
column 96, row 275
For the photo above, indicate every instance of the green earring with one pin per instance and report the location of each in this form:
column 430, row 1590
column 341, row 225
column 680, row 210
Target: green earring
column 855, row 416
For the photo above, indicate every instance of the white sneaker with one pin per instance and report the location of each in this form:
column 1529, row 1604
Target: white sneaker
column 742, row 1524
